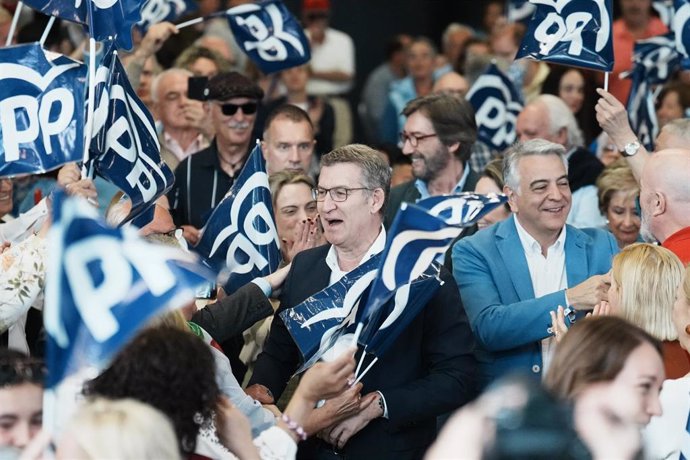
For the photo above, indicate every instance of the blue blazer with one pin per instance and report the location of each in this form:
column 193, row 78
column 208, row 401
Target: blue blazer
column 496, row 289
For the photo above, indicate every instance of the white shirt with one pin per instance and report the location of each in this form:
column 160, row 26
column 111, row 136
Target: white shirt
column 335, row 53
column 332, row 257
column 548, row 276
column 665, row 435
column 199, row 143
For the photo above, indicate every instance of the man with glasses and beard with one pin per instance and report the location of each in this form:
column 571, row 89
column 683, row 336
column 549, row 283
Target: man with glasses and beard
column 438, row 136
column 203, row 179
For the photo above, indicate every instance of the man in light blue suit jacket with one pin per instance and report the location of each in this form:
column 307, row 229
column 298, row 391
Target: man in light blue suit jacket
column 494, row 267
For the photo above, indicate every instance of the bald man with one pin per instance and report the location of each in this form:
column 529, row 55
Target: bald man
column 665, row 200
column 452, row 83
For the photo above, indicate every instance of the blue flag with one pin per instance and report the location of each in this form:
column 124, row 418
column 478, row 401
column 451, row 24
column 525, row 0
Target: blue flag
column 240, row 235
column 642, row 112
column 656, row 59
column 462, row 209
column 111, row 18
column 41, row 110
column 570, row 32
column 496, row 105
column 103, row 284
column 681, row 27
column 269, row 34
column 321, row 320
column 156, row 11
column 665, row 10
column 125, row 148
column 520, row 10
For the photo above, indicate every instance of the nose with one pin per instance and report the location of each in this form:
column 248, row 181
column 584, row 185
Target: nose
column 21, row 435
column 293, row 154
column 327, row 204
column 654, row 406
column 407, row 148
column 555, row 192
column 629, row 220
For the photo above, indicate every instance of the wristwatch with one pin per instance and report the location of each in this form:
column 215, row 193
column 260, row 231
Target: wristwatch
column 631, row 148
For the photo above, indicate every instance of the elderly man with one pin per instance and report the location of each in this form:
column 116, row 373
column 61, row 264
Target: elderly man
column 182, row 118
column 438, row 136
column 548, row 117
column 429, row 369
column 288, row 143
column 512, row 274
column 202, row 180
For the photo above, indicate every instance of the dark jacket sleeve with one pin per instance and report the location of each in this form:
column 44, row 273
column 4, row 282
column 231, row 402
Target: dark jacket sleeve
column 235, row 313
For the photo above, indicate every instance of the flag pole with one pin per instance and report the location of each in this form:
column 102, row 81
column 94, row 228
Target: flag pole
column 365, row 371
column 15, row 20
column 46, row 32
column 191, row 22
column 606, row 81
column 87, row 170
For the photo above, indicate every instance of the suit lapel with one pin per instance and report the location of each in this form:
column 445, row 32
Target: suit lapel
column 510, row 249
column 576, row 264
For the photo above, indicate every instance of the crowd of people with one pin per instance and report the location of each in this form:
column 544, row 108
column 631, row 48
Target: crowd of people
column 561, row 327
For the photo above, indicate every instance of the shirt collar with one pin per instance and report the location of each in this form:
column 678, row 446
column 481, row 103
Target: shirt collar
column 378, row 246
column 531, row 245
column 424, row 191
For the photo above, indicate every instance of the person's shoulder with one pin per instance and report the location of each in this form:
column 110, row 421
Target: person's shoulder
column 308, row 257
column 488, row 236
column 338, row 35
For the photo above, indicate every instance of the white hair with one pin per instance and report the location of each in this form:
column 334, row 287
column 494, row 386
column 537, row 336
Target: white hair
column 679, row 128
column 157, row 79
column 560, row 117
column 455, row 27
column 512, row 156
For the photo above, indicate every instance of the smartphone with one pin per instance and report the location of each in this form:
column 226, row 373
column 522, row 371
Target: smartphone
column 207, row 291
column 196, row 88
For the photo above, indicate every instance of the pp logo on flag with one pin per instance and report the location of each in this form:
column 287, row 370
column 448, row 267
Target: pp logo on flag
column 557, row 27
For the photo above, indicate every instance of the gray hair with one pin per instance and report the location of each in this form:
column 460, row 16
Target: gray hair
column 375, row 172
column 520, row 150
column 157, row 79
column 560, row 116
column 453, row 28
column 680, row 128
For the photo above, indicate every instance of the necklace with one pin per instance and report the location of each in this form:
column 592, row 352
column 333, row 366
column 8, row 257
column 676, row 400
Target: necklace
column 233, row 165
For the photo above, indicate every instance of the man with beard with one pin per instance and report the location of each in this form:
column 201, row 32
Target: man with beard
column 438, row 136
column 203, row 179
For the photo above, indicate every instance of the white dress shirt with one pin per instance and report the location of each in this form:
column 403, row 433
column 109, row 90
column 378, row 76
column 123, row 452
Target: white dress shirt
column 548, row 275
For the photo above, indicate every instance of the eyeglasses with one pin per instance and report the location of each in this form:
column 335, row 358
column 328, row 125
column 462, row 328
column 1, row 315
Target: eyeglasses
column 229, row 109
column 414, row 138
column 338, row 194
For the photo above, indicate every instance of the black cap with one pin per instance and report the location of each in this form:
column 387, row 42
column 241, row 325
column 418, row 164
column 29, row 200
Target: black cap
column 228, row 85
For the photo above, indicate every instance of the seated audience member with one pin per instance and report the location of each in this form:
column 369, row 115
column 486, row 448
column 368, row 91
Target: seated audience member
column 453, row 42
column 451, row 83
column 185, row 127
column 548, row 117
column 644, row 280
column 288, row 140
column 672, row 103
column 421, row 54
column 605, row 150
column 203, row 179
column 475, row 59
column 202, row 62
column 609, row 350
column 21, row 401
column 666, row 435
column 512, row 273
column 123, row 428
column 577, row 89
column 431, row 357
column 319, row 110
column 144, row 369
column 491, row 181
column 617, row 191
column 295, row 212
column 438, row 136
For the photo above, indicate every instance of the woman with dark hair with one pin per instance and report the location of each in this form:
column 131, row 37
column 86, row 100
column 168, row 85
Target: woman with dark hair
column 21, row 399
column 577, row 88
column 491, row 181
column 610, row 350
column 672, row 103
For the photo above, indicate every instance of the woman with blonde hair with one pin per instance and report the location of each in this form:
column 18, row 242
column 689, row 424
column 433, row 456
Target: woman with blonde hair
column 124, row 428
column 617, row 190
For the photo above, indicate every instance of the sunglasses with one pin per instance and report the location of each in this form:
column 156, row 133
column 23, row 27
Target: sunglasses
column 231, row 109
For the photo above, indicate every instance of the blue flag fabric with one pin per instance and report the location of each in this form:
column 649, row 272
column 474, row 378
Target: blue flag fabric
column 240, row 235
column 103, row 284
column 269, row 34
column 655, row 58
column 111, row 18
column 496, row 105
column 462, row 209
column 571, row 32
column 520, row 11
column 642, row 111
column 681, row 27
column 415, row 239
column 156, row 11
column 41, row 110
column 317, row 323
column 125, row 148
column 665, row 10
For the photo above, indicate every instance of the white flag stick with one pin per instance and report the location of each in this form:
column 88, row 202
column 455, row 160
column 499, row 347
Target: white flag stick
column 365, row 371
column 361, row 361
column 606, row 81
column 15, row 20
column 191, row 22
column 91, row 101
column 49, row 26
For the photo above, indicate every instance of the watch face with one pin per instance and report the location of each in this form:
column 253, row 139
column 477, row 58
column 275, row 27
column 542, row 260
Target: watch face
column 632, row 148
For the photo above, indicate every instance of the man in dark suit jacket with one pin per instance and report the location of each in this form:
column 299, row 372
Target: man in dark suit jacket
column 428, row 371
column 438, row 136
